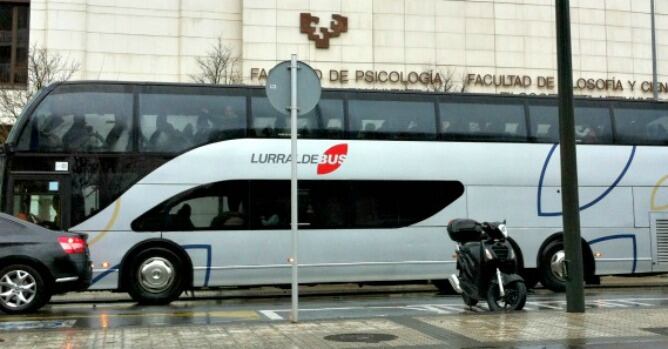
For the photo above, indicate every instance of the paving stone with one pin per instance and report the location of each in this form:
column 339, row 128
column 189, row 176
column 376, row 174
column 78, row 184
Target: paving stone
column 540, row 328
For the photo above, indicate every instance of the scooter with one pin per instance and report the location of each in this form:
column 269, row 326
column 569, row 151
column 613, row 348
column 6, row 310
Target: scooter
column 486, row 265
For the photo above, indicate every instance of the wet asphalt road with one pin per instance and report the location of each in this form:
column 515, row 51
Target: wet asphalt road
column 330, row 305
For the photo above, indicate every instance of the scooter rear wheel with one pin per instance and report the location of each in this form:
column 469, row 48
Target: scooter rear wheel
column 514, row 299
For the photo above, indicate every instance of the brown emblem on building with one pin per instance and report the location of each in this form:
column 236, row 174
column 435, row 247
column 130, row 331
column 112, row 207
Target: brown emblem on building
column 308, row 25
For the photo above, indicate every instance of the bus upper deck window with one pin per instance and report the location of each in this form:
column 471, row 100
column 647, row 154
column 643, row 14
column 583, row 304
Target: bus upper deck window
column 641, row 126
column 80, row 122
column 173, row 122
column 372, row 119
column 592, row 125
column 483, row 121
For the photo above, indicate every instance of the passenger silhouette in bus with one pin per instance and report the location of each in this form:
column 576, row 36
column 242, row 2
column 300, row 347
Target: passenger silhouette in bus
column 166, row 137
column 270, row 220
column 47, row 135
column 182, row 220
column 202, row 130
column 81, row 136
column 588, row 133
column 270, row 216
column 55, row 204
column 368, row 131
column 231, row 125
column 49, row 126
column 188, row 133
column 233, row 217
column 118, row 137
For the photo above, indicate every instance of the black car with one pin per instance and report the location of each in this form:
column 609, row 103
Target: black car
column 36, row 263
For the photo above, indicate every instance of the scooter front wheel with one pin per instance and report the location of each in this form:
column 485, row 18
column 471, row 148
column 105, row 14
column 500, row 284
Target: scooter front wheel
column 514, row 298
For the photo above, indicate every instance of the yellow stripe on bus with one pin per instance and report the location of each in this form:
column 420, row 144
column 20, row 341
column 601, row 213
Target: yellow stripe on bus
column 114, row 216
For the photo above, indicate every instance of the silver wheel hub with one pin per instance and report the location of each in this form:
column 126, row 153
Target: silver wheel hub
column 557, row 264
column 17, row 289
column 156, row 274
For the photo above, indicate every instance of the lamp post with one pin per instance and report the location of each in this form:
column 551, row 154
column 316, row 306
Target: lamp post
column 569, row 173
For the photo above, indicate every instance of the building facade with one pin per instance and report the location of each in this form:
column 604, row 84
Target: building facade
column 487, row 46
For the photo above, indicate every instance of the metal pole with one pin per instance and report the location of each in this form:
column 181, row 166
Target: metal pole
column 293, row 188
column 569, row 174
column 655, row 80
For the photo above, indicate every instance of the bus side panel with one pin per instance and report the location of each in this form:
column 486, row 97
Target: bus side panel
column 520, row 207
column 110, row 247
column 620, row 250
column 346, row 255
column 612, row 215
column 649, row 199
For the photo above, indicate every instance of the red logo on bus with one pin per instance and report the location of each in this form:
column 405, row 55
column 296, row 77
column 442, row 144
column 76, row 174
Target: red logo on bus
column 332, row 158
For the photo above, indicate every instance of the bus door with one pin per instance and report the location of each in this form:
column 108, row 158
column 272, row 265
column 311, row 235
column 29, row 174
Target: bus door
column 40, row 198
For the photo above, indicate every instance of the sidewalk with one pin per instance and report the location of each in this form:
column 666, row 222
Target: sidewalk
column 600, row 328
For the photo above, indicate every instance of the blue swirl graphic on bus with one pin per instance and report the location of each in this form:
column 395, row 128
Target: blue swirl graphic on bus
column 621, row 236
column 607, row 191
column 207, row 275
column 207, row 248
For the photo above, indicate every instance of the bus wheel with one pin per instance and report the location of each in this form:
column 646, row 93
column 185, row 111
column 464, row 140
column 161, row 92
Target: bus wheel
column 550, row 268
column 156, row 276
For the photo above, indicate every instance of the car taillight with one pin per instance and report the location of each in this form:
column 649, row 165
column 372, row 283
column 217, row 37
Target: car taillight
column 72, row 244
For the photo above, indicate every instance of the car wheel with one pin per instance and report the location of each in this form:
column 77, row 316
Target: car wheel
column 22, row 289
column 156, row 276
column 551, row 274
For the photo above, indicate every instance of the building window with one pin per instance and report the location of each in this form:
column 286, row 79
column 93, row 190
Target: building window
column 14, row 18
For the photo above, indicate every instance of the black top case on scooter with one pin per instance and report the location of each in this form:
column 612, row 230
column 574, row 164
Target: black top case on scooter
column 464, row 230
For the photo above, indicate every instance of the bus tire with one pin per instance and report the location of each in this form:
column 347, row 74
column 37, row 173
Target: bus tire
column 156, row 276
column 548, row 267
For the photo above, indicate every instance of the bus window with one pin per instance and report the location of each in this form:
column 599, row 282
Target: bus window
column 489, row 122
column 544, row 123
column 217, row 206
column 392, row 119
column 378, row 204
column 171, row 123
column 592, row 124
column 38, row 201
column 327, row 119
column 641, row 126
column 270, row 204
column 80, row 122
column 323, row 204
column 267, row 122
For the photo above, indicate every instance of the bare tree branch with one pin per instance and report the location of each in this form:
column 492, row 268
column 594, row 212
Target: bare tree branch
column 448, row 84
column 44, row 68
column 219, row 66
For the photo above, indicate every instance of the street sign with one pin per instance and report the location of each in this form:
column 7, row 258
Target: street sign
column 279, row 91
column 293, row 87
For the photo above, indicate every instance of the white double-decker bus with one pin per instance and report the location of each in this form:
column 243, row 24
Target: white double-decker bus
column 187, row 186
